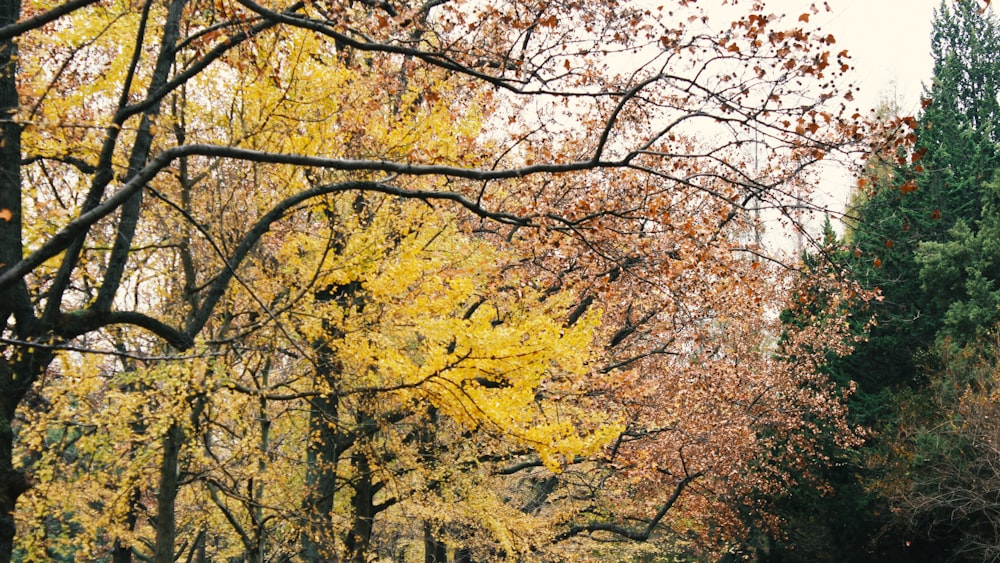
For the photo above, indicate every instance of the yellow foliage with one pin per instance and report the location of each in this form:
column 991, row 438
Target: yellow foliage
column 438, row 316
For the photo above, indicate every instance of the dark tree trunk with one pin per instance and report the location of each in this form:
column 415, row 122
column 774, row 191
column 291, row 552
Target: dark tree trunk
column 322, row 455
column 166, row 495
column 434, row 551
column 363, row 503
column 16, row 378
column 122, row 553
column 14, row 381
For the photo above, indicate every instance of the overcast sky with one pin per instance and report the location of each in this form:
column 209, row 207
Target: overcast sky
column 889, row 41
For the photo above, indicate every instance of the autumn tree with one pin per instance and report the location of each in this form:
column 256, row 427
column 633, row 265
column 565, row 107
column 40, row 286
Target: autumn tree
column 626, row 187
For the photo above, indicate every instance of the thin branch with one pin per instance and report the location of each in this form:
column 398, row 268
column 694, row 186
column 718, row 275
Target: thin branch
column 629, row 533
column 13, row 30
column 115, row 353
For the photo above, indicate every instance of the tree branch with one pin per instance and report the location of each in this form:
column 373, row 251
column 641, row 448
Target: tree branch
column 76, row 323
column 79, row 226
column 629, row 533
column 13, row 30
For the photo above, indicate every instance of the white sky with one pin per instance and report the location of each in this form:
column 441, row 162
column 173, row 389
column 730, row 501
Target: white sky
column 889, row 41
column 889, row 44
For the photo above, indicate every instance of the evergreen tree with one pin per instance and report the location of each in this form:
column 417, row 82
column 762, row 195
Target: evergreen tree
column 961, row 275
column 925, row 235
column 928, row 191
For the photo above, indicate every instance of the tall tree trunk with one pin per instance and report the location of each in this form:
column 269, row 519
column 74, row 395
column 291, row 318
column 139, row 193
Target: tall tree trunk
column 322, row 455
column 16, row 376
column 434, row 551
column 360, row 537
column 122, row 553
column 259, row 529
column 166, row 495
column 12, row 484
column 14, row 300
column 18, row 370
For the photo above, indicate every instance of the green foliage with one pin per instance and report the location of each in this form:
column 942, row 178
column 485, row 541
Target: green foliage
column 921, row 193
column 965, row 45
column 960, row 275
column 926, row 236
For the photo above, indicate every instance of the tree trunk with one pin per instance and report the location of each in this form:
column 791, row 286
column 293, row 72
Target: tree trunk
column 166, row 520
column 359, row 540
column 12, row 485
column 322, row 455
column 434, row 551
column 13, row 301
column 122, row 553
column 16, row 378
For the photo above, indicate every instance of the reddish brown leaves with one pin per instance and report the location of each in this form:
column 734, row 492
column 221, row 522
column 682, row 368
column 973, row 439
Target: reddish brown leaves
column 550, row 22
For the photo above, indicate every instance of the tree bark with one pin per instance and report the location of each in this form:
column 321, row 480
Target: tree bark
column 360, row 537
column 434, row 551
column 14, row 300
column 121, row 552
column 322, row 456
column 166, row 495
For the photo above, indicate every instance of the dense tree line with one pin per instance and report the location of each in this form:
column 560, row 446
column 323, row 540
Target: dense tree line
column 922, row 231
column 437, row 281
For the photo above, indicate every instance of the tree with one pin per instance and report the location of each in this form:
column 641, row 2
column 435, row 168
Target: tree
column 940, row 482
column 111, row 105
column 920, row 194
column 943, row 483
column 922, row 191
column 961, row 274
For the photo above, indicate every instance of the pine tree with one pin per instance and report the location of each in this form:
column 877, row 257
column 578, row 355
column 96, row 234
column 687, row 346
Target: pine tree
column 928, row 191
column 915, row 230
